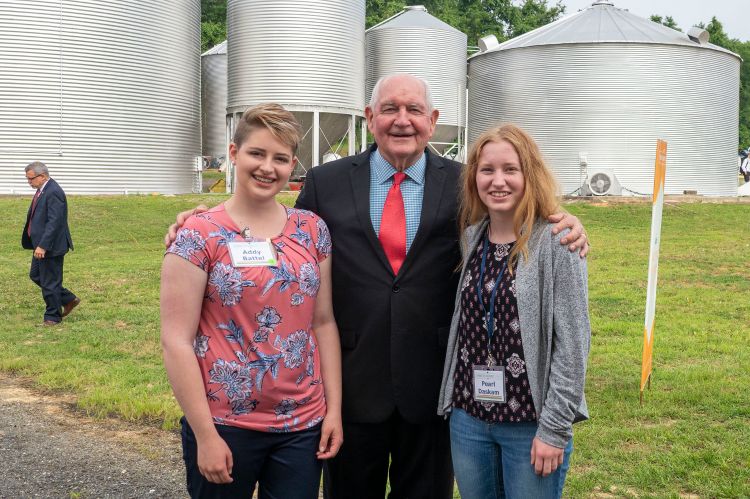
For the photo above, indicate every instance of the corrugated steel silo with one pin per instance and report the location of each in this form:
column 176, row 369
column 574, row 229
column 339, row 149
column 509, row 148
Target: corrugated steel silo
column 214, row 101
column 106, row 93
column 308, row 57
column 417, row 43
column 600, row 86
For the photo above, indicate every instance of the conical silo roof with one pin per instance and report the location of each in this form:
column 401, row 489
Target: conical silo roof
column 219, row 49
column 414, row 16
column 602, row 22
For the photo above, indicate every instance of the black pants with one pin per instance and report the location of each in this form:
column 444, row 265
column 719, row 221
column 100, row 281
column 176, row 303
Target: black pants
column 283, row 464
column 419, row 457
column 47, row 273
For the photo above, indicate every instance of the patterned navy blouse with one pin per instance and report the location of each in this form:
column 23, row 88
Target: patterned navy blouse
column 506, row 342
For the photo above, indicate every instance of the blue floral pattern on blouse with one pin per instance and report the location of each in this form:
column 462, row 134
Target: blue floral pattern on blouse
column 255, row 344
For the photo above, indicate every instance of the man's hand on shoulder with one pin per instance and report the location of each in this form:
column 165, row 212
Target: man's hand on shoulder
column 171, row 234
column 576, row 238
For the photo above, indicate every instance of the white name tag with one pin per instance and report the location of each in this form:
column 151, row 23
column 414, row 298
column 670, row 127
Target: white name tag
column 252, row 254
column 489, row 384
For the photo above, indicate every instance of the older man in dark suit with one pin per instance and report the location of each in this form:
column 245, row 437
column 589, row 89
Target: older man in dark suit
column 47, row 233
column 392, row 214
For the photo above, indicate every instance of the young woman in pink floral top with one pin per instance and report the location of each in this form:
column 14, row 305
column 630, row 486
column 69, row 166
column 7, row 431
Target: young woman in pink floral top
column 250, row 343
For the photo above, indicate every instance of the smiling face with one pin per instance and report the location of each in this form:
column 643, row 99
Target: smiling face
column 499, row 178
column 401, row 120
column 263, row 164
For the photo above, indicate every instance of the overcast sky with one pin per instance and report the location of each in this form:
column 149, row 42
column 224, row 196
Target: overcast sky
column 734, row 15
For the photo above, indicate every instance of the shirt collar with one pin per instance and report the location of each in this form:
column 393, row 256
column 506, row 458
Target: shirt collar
column 43, row 186
column 384, row 170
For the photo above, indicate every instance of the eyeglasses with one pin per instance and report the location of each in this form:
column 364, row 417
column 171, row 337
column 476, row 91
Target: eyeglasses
column 29, row 179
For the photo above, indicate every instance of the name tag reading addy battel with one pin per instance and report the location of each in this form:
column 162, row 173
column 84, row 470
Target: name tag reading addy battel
column 489, row 384
column 252, row 254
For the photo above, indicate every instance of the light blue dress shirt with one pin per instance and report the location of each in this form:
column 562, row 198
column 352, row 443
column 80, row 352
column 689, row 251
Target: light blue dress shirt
column 412, row 190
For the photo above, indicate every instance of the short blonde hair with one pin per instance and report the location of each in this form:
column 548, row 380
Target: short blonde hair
column 273, row 117
column 540, row 197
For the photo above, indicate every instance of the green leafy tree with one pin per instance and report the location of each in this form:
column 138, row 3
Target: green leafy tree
column 719, row 36
column 380, row 10
column 744, row 52
column 214, row 10
column 213, row 23
column 212, row 34
column 667, row 21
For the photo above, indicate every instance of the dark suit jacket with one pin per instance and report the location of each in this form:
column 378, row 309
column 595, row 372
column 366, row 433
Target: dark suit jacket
column 49, row 227
column 394, row 329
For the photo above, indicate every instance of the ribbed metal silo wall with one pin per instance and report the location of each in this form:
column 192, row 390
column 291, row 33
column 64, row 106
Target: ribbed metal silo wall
column 214, row 104
column 612, row 101
column 106, row 92
column 437, row 56
column 296, row 53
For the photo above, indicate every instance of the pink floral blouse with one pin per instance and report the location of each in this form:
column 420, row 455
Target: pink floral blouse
column 255, row 344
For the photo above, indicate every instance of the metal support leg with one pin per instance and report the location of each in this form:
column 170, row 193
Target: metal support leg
column 228, row 167
column 352, row 134
column 364, row 135
column 316, row 139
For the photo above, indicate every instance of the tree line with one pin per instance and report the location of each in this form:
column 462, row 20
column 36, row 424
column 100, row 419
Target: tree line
column 505, row 19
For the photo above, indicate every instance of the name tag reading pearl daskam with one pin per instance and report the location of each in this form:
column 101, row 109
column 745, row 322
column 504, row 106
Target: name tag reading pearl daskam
column 252, row 253
column 489, row 384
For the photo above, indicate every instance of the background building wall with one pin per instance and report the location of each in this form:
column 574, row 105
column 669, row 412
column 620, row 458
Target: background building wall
column 105, row 92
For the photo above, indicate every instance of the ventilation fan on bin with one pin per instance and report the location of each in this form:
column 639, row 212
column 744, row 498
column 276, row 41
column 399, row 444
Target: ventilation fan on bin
column 602, row 183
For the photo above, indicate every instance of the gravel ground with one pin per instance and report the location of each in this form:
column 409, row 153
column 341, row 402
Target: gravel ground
column 48, row 450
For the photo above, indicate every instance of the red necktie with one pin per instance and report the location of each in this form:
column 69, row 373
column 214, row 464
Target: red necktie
column 393, row 224
column 33, row 208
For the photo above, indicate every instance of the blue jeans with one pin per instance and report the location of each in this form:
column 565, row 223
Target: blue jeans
column 283, row 464
column 494, row 460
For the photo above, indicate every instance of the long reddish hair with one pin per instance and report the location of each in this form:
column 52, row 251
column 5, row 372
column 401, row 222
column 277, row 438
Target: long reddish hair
column 540, row 197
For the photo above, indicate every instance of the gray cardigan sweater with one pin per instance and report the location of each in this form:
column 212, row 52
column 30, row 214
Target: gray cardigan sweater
column 552, row 297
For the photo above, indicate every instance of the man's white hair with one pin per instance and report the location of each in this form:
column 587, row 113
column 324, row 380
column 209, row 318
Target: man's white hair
column 37, row 167
column 376, row 89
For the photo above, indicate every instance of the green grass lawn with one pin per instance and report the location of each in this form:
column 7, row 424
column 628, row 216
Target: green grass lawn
column 692, row 436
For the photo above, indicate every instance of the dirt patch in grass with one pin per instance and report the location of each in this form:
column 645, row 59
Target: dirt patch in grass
column 615, row 492
column 57, row 451
column 662, row 423
column 152, row 442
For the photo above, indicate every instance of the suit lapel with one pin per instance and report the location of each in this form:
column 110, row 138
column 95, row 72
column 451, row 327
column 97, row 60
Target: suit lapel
column 434, row 185
column 360, row 178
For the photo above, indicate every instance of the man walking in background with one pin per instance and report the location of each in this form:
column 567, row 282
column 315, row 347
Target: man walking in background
column 46, row 232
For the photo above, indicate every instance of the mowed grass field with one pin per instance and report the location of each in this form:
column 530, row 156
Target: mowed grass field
column 691, row 438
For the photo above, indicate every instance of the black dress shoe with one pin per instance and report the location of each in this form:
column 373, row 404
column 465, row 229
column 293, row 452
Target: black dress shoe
column 68, row 307
column 50, row 323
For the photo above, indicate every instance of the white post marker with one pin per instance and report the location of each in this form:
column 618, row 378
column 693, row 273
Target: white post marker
column 660, row 169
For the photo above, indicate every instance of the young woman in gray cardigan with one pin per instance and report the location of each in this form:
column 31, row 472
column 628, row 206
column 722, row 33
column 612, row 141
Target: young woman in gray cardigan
column 516, row 361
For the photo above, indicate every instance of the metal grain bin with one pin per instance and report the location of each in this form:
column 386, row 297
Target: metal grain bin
column 214, row 101
column 599, row 87
column 417, row 43
column 106, row 92
column 307, row 56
